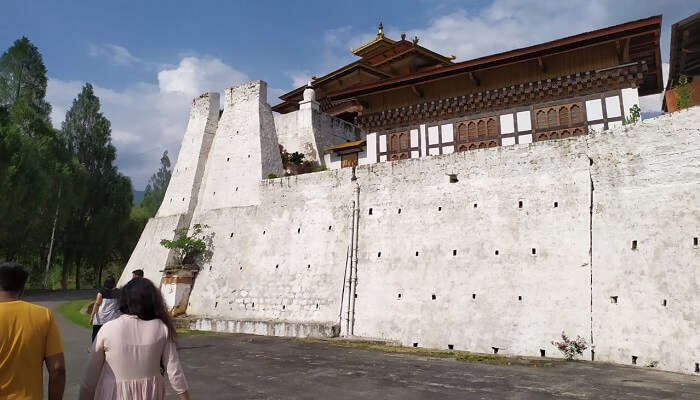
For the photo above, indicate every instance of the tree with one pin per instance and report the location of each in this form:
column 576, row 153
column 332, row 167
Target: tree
column 157, row 185
column 23, row 76
column 96, row 222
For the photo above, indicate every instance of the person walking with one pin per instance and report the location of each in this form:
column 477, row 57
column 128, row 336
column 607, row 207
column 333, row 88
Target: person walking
column 105, row 307
column 29, row 337
column 139, row 347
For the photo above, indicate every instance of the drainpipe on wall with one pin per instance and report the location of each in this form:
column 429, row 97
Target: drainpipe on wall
column 353, row 263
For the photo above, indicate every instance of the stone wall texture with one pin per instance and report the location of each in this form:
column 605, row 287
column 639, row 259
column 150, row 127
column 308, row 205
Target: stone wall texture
column 592, row 235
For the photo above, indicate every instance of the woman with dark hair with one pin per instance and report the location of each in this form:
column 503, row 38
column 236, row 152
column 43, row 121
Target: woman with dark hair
column 105, row 307
column 138, row 346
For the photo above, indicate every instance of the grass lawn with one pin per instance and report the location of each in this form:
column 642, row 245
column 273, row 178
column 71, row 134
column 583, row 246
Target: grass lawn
column 71, row 310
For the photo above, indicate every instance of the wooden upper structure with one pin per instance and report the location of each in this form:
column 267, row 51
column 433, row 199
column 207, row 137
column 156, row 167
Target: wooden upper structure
column 393, row 79
column 685, row 57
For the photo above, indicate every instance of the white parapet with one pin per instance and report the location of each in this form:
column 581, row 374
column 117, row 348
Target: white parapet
column 245, row 150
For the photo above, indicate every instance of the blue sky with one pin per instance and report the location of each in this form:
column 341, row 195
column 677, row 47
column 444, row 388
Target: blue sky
column 148, row 59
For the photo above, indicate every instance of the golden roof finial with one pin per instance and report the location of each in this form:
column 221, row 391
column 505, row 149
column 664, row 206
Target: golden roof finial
column 380, row 30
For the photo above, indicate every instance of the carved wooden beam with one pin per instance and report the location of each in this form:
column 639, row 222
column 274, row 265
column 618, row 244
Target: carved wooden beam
column 417, row 91
column 540, row 64
column 475, row 79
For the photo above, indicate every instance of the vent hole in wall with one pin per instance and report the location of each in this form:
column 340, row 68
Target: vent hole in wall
column 495, row 350
column 240, row 268
column 317, row 306
column 697, row 368
column 284, row 307
column 434, row 297
column 634, row 245
column 355, row 295
column 231, row 235
column 398, row 296
column 248, row 155
column 228, row 159
column 216, row 304
column 541, row 352
column 416, row 345
column 399, row 211
column 308, row 266
column 556, row 204
column 534, row 251
column 695, row 241
column 450, row 347
column 634, row 360
column 416, row 254
column 474, row 205
column 370, row 211
column 263, row 232
column 520, row 204
column 330, row 227
column 495, row 252
column 663, row 303
column 520, row 298
column 277, row 266
column 613, row 299
column 298, row 230
column 379, row 254
column 453, row 178
column 454, row 252
column 439, row 208
column 253, row 305
column 473, row 296
column 236, row 188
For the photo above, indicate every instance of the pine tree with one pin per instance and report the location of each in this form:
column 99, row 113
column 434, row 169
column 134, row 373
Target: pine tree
column 97, row 221
column 23, row 76
column 157, row 185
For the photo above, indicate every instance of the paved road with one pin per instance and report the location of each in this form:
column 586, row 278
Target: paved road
column 221, row 366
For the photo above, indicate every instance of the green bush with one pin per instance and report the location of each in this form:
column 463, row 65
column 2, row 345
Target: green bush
column 187, row 247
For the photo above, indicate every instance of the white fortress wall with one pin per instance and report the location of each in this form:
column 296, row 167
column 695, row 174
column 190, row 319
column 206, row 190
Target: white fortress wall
column 646, row 300
column 280, row 260
column 310, row 131
column 182, row 193
column 452, row 263
column 245, row 150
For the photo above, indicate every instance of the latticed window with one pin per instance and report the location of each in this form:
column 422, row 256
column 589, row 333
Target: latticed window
column 472, row 130
column 394, row 143
column 564, row 116
column 491, row 127
column 403, row 141
column 552, row 118
column 541, row 120
column 481, row 126
column 575, row 114
column 462, row 132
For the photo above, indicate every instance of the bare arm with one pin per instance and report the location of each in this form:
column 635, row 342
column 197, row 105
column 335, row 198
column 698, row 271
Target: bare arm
column 95, row 307
column 56, row 365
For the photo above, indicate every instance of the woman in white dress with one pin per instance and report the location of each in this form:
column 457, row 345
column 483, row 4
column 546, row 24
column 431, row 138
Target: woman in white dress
column 139, row 347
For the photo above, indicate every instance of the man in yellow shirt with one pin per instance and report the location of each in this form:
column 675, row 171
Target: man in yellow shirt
column 28, row 338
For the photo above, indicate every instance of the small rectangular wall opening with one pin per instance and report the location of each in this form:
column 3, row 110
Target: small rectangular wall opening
column 439, row 208
column 634, row 360
column 663, row 303
column 556, row 204
column 398, row 296
column 370, row 211
column 415, row 344
column 473, row 296
column 416, row 254
column 495, row 350
column 634, row 245
column 399, row 211
column 474, row 205
column 434, row 297
column 534, row 251
column 450, row 347
column 454, row 252
column 541, row 352
column 520, row 298
column 613, row 299
column 697, row 368
column 495, row 252
column 379, row 254
column 520, row 204
column 695, row 241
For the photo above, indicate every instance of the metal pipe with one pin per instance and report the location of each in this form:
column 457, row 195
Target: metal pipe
column 353, row 263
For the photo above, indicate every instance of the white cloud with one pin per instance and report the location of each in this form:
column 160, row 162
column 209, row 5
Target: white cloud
column 193, row 76
column 116, row 54
column 299, row 78
column 149, row 118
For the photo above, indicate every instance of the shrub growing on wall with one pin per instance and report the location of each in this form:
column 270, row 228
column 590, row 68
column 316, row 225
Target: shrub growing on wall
column 682, row 93
column 187, row 247
column 569, row 347
column 294, row 163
